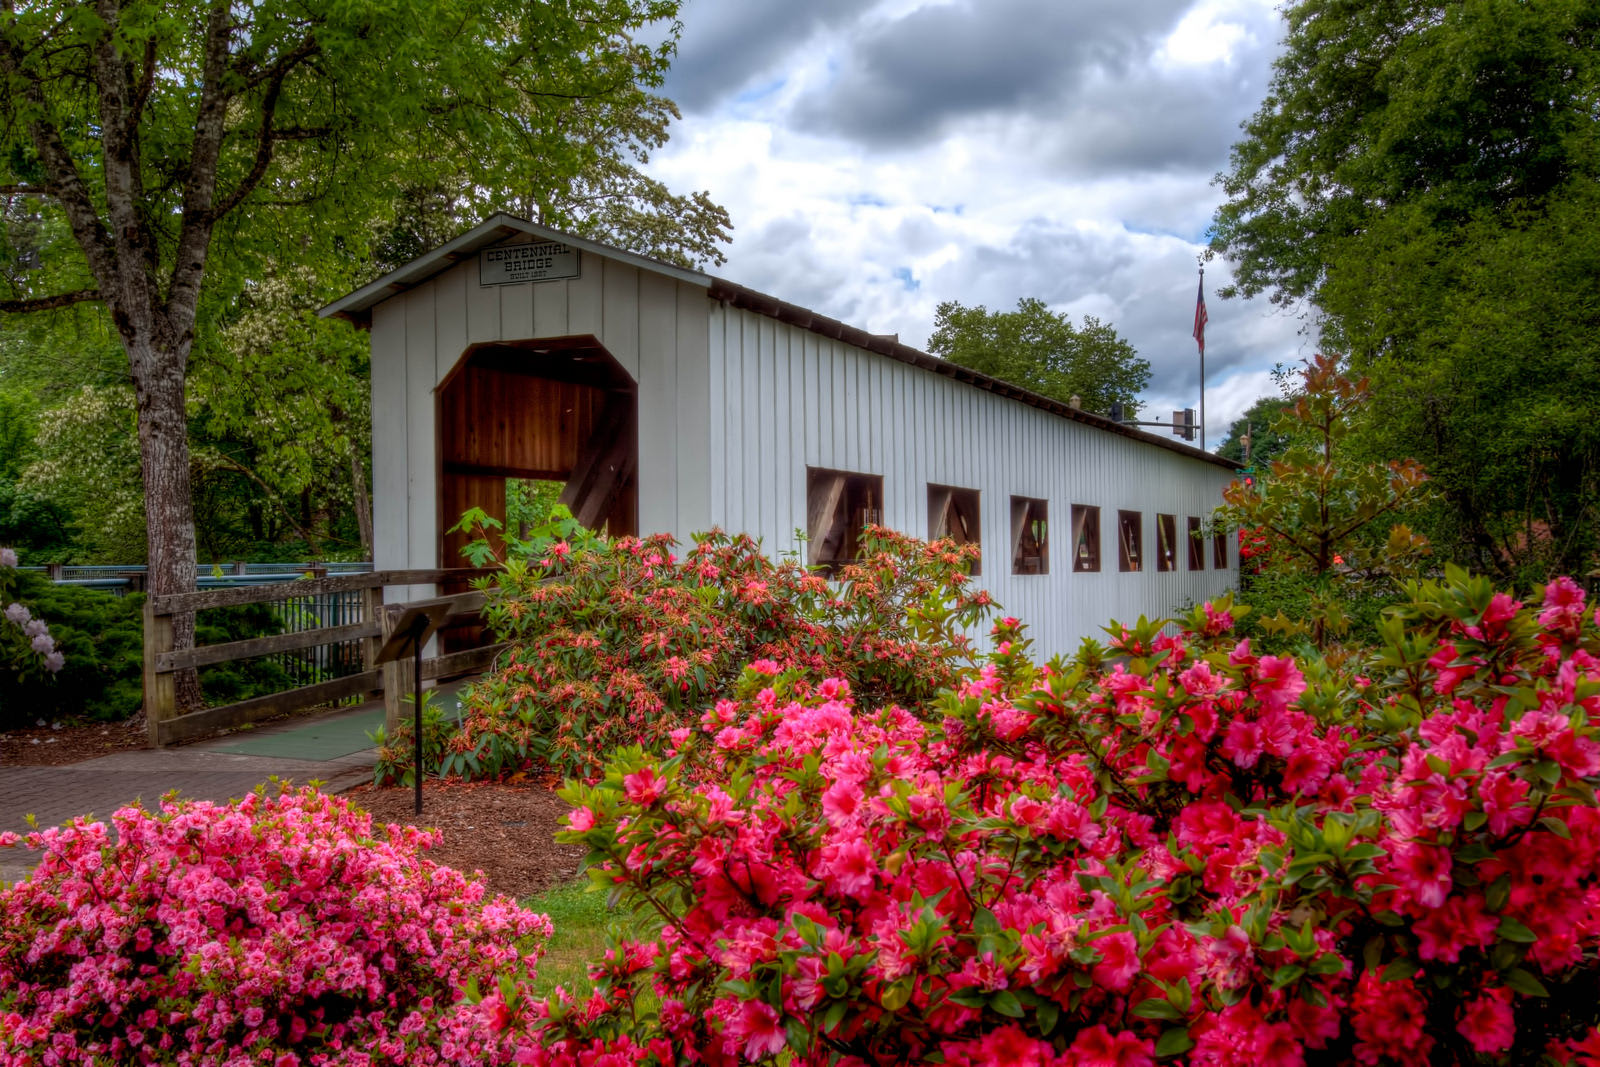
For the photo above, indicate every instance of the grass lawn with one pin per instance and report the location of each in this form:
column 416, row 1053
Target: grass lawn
column 581, row 920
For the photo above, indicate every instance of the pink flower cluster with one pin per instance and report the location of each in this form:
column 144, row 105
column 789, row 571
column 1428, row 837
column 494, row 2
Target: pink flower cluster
column 1174, row 850
column 279, row 930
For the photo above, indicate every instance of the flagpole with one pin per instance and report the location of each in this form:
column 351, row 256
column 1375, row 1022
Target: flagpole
column 1202, row 372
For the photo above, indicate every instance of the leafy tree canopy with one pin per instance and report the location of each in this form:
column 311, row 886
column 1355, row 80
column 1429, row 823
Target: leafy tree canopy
column 172, row 151
column 207, row 174
column 1452, row 107
column 1041, row 350
column 1483, row 346
column 1427, row 176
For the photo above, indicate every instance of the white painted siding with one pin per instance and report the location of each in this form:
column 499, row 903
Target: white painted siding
column 733, row 406
column 783, row 398
column 656, row 328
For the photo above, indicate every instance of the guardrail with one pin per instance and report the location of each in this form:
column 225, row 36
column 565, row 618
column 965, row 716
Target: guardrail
column 118, row 579
column 368, row 623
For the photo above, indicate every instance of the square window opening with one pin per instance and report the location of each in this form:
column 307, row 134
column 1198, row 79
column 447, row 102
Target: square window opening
column 1030, row 536
column 839, row 505
column 1197, row 545
column 1085, row 538
column 1130, row 541
column 953, row 513
column 1166, row 542
column 1219, row 551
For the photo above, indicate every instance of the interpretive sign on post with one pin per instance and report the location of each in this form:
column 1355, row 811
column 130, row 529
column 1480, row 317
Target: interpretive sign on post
column 542, row 261
column 409, row 632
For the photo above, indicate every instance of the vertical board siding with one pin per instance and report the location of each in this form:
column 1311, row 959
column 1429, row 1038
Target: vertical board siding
column 483, row 307
column 620, row 314
column 422, row 478
column 774, row 438
column 788, row 398
column 692, row 355
column 421, row 376
column 716, row 386
column 550, row 309
column 733, row 406
column 516, row 310
column 391, row 549
column 450, row 321
column 586, row 299
column 658, row 397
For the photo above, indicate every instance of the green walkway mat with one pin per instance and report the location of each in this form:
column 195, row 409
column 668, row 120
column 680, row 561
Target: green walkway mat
column 318, row 739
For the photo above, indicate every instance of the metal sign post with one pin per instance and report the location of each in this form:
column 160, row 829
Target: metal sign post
column 410, row 632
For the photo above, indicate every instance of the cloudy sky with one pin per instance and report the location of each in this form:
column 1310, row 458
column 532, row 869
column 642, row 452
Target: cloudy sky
column 879, row 157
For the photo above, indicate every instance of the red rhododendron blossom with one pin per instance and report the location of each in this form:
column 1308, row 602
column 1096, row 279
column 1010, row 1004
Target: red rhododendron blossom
column 1119, row 961
column 755, row 1031
column 1563, row 608
column 1388, row 1018
column 643, row 787
column 1487, row 1021
column 848, row 867
column 1422, row 872
column 1099, row 1047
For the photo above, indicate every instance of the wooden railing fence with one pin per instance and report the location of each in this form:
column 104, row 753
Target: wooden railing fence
column 162, row 662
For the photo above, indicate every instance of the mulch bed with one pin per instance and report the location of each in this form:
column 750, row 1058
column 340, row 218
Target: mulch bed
column 62, row 743
column 505, row 830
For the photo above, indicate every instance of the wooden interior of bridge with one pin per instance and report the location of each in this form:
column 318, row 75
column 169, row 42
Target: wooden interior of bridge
column 557, row 409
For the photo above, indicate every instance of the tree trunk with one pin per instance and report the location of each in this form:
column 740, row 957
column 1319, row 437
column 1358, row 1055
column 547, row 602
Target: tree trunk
column 158, row 374
column 358, row 483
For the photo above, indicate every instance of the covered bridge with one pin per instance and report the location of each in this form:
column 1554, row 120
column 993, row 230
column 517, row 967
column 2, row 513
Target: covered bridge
column 669, row 400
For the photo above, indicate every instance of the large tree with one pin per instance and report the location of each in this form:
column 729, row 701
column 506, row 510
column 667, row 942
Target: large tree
column 1042, row 350
column 1427, row 175
column 149, row 133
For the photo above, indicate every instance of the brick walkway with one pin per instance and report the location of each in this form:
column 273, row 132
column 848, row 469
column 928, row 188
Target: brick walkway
column 100, row 786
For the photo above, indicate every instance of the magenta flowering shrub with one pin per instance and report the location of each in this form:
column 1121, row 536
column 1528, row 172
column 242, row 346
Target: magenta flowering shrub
column 280, row 931
column 1178, row 850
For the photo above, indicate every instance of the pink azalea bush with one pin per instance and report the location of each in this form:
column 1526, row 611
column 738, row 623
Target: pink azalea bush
column 1173, row 849
column 281, row 930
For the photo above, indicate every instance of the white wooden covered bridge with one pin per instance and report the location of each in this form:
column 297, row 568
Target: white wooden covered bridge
column 670, row 400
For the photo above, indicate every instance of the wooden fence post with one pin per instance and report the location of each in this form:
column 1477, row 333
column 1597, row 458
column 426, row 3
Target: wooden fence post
column 372, row 611
column 160, row 688
column 396, row 677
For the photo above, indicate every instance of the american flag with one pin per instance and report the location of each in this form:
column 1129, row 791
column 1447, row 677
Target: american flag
column 1200, row 315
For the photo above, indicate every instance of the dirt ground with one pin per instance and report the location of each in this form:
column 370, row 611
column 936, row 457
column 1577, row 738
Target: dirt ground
column 57, row 745
column 504, row 830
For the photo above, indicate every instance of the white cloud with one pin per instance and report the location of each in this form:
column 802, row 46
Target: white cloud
column 1088, row 186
